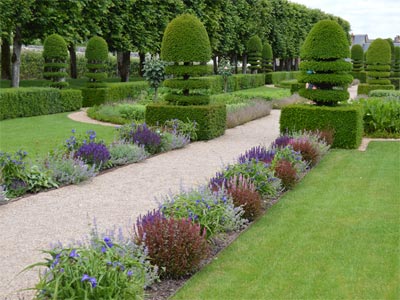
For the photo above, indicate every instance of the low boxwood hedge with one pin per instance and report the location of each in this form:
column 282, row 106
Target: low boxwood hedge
column 365, row 88
column 345, row 121
column 277, row 77
column 35, row 101
column 210, row 119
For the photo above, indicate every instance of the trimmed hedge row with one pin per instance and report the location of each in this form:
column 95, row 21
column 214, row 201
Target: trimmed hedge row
column 345, row 121
column 113, row 92
column 277, row 77
column 365, row 88
column 362, row 76
column 210, row 119
column 385, row 93
column 35, row 101
column 395, row 82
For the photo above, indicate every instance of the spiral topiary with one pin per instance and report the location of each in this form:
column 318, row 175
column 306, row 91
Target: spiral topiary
column 55, row 54
column 254, row 49
column 267, row 57
column 96, row 54
column 357, row 56
column 378, row 62
column 396, row 65
column 186, row 46
column 323, row 64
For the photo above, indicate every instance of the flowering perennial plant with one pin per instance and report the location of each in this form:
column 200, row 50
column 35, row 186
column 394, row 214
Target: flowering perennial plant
column 141, row 135
column 122, row 154
column 259, row 153
column 13, row 173
column 74, row 142
column 94, row 154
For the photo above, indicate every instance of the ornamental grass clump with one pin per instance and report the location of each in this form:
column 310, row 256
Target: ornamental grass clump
column 177, row 246
column 245, row 195
column 101, row 268
column 213, row 211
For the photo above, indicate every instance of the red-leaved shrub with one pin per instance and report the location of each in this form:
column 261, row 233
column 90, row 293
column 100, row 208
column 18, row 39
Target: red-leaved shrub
column 244, row 193
column 307, row 150
column 326, row 135
column 176, row 245
column 285, row 171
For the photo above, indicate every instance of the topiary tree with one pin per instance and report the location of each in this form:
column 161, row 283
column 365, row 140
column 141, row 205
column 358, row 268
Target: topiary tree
column 357, row 56
column 396, row 64
column 55, row 54
column 96, row 54
column 254, row 49
column 323, row 64
column 267, row 56
column 154, row 73
column 378, row 62
column 186, row 46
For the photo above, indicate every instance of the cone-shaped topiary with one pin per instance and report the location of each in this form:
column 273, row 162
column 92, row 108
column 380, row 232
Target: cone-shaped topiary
column 396, row 65
column 267, row 57
column 96, row 54
column 186, row 46
column 254, row 49
column 378, row 62
column 357, row 56
column 55, row 54
column 323, row 64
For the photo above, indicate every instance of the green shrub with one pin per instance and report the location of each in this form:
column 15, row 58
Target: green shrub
column 210, row 119
column 345, row 121
column 96, row 54
column 365, row 88
column 385, row 93
column 357, row 56
column 55, row 54
column 396, row 64
column 395, row 82
column 267, row 57
column 378, row 61
column 323, row 65
column 122, row 113
column 26, row 102
column 254, row 49
column 277, row 77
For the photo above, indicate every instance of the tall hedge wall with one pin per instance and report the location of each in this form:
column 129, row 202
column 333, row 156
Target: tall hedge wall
column 345, row 121
column 27, row 102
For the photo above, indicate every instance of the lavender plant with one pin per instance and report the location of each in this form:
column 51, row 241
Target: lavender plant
column 258, row 153
column 282, row 141
column 173, row 140
column 94, row 154
column 141, row 134
column 122, row 154
column 213, row 211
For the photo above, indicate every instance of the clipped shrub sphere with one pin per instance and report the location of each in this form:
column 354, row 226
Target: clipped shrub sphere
column 379, row 53
column 185, row 40
column 55, row 47
column 326, row 40
column 267, row 52
column 357, row 52
column 254, row 44
column 96, row 50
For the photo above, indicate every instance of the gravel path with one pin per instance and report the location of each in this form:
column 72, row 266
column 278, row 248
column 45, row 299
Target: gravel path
column 114, row 198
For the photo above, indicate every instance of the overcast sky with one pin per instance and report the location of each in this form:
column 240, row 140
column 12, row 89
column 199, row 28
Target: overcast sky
column 378, row 19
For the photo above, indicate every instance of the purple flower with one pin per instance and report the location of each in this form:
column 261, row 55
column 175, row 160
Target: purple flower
column 129, row 273
column 282, row 141
column 259, row 153
column 92, row 280
column 143, row 135
column 55, row 261
column 108, row 242
column 93, row 153
column 74, row 253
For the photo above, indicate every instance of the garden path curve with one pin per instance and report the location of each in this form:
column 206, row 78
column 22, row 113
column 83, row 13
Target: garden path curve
column 113, row 198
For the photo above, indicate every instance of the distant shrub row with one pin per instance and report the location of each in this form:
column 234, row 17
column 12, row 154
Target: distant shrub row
column 26, row 102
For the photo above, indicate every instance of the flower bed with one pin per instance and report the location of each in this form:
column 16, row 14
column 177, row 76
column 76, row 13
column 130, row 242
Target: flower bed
column 174, row 241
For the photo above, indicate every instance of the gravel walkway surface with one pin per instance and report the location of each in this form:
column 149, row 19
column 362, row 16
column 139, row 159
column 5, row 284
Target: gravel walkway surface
column 113, row 198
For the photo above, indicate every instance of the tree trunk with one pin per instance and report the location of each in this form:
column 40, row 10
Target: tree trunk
column 234, row 62
column 124, row 62
column 215, row 64
column 244, row 64
column 73, row 70
column 142, row 58
column 5, row 58
column 16, row 58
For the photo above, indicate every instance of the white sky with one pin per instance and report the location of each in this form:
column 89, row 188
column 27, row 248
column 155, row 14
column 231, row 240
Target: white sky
column 378, row 19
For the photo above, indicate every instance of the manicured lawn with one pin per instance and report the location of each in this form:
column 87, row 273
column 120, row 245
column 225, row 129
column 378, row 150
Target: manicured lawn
column 41, row 134
column 335, row 236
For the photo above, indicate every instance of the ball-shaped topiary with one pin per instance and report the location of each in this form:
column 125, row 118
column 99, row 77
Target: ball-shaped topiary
column 254, row 49
column 55, row 54
column 357, row 56
column 323, row 64
column 96, row 54
column 396, row 65
column 267, row 57
column 186, row 46
column 378, row 62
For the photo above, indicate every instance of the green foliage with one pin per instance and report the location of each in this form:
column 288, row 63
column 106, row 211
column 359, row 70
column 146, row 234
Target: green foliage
column 154, row 73
column 185, row 40
column 113, row 92
column 266, row 58
column 381, row 115
column 254, row 52
column 188, row 70
column 192, row 83
column 345, row 121
column 55, row 54
column 396, row 64
column 378, row 59
column 357, row 56
column 277, row 77
column 365, row 89
column 26, row 102
column 323, row 66
column 122, row 154
column 210, row 119
column 119, row 113
column 385, row 93
column 395, row 82
column 194, row 99
column 96, row 54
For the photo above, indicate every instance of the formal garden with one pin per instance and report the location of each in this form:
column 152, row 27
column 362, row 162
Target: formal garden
column 307, row 216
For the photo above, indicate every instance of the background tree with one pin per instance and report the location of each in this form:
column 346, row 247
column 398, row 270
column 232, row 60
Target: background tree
column 254, row 49
column 267, row 57
column 357, row 56
column 5, row 55
column 55, row 56
column 154, row 73
column 323, row 64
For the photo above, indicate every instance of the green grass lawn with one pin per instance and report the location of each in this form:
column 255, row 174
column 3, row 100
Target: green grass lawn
column 335, row 236
column 38, row 135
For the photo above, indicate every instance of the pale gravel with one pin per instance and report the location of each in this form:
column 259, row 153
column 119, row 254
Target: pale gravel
column 114, row 198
